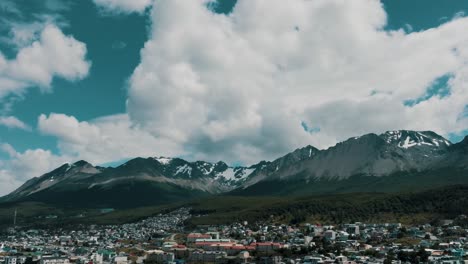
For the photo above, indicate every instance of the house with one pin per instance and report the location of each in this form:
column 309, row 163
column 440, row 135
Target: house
column 268, row 247
column 54, row 260
column 312, row 260
column 192, row 237
column 329, row 235
column 105, row 255
column 14, row 259
column 120, row 260
column 169, row 245
column 271, row 260
column 161, row 257
column 206, row 256
column 352, row 229
column 97, row 258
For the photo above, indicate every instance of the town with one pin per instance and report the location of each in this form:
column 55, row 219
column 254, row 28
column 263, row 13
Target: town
column 166, row 239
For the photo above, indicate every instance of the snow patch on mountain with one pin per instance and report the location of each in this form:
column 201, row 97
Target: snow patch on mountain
column 206, row 168
column 186, row 169
column 227, row 175
column 234, row 174
column 407, row 139
column 163, row 160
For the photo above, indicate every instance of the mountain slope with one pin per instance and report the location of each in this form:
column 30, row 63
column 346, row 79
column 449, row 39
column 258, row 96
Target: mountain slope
column 390, row 162
column 141, row 181
column 456, row 157
column 76, row 172
column 144, row 181
column 373, row 154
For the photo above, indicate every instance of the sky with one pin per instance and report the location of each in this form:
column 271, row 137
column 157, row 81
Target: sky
column 233, row 80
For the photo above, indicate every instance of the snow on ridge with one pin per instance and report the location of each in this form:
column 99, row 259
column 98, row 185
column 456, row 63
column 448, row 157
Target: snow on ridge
column 68, row 166
column 234, row 174
column 408, row 143
column 247, row 172
column 184, row 169
column 422, row 140
column 393, row 136
column 413, row 138
column 204, row 170
column 228, row 174
column 164, row 160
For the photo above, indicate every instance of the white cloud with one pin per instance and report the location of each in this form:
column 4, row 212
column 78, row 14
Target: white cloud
column 126, row 6
column 52, row 55
column 103, row 140
column 23, row 166
column 99, row 141
column 13, row 122
column 220, row 85
column 23, row 34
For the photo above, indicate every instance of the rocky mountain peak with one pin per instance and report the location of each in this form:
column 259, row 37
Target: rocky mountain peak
column 370, row 155
column 408, row 139
column 81, row 163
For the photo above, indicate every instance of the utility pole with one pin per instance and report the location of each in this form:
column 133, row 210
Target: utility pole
column 14, row 219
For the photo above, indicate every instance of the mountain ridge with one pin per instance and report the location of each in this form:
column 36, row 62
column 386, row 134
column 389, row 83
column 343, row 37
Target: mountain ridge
column 354, row 161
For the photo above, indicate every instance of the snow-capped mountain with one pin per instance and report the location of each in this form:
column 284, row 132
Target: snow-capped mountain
column 156, row 180
column 204, row 176
column 370, row 154
column 408, row 139
column 394, row 153
column 145, row 181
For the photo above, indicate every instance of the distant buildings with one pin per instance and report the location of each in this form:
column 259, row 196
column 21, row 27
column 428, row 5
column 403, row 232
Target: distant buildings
column 163, row 239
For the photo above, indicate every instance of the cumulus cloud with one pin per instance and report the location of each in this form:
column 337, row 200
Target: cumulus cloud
column 239, row 87
column 104, row 139
column 51, row 55
column 23, row 166
column 124, row 6
column 13, row 122
column 99, row 141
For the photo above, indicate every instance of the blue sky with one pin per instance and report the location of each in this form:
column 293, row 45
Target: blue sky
column 115, row 36
column 103, row 92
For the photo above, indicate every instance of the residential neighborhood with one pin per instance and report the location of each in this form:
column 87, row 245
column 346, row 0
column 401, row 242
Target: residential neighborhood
column 166, row 239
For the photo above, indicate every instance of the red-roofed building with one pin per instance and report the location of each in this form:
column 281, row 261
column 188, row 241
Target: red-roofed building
column 230, row 248
column 192, row 237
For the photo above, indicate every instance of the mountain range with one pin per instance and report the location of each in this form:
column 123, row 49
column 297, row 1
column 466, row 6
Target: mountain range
column 390, row 162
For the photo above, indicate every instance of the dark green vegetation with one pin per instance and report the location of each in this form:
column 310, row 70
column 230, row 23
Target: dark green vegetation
column 417, row 207
column 397, row 182
column 38, row 214
column 126, row 195
column 372, row 207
